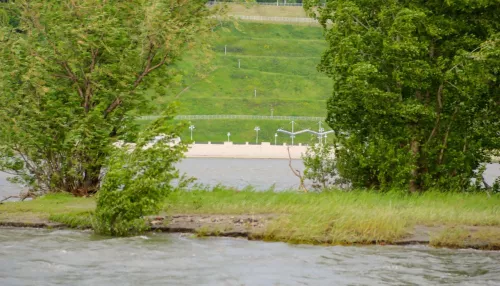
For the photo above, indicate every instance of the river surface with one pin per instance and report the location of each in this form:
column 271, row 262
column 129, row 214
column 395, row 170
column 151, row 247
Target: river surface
column 42, row 257
column 262, row 174
column 62, row 257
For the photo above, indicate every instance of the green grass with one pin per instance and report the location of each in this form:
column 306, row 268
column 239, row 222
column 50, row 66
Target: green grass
column 328, row 217
column 252, row 106
column 345, row 217
column 279, row 61
column 258, row 10
column 56, row 207
column 243, row 131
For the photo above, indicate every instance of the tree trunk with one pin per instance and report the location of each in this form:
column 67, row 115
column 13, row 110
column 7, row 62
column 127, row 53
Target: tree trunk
column 91, row 181
column 415, row 150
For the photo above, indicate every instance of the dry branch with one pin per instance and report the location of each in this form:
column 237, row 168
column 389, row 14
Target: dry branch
column 296, row 172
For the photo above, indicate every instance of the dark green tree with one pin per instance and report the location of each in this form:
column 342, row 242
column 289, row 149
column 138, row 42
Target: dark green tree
column 75, row 75
column 416, row 99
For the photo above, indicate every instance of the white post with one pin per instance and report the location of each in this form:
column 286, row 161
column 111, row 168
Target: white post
column 239, row 63
column 225, row 49
column 272, row 109
column 293, row 136
column 275, row 138
column 228, row 135
column 255, row 93
column 277, row 2
column 191, row 128
column 257, row 128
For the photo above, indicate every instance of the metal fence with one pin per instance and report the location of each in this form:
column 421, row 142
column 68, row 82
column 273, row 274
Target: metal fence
column 240, row 117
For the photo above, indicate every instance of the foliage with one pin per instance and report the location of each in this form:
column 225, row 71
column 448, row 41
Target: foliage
column 416, row 89
column 138, row 179
column 320, row 164
column 75, row 75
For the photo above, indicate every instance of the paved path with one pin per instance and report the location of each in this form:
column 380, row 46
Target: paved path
column 230, row 150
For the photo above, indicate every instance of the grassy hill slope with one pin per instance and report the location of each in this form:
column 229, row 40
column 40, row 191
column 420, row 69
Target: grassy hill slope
column 266, row 66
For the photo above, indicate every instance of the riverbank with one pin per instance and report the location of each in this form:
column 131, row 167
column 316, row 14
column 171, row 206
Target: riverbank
column 437, row 219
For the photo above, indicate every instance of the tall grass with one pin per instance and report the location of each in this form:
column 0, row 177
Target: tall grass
column 327, row 217
column 346, row 217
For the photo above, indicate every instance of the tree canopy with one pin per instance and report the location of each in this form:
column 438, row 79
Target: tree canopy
column 416, row 99
column 74, row 76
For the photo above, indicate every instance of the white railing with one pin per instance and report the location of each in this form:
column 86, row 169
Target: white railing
column 240, row 117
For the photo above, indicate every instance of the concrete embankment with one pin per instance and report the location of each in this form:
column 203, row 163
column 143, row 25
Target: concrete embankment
column 229, row 150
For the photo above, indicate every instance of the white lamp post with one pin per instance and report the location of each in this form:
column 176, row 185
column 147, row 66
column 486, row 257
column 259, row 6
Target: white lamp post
column 228, row 136
column 191, row 128
column 257, row 128
column 320, row 135
column 275, row 138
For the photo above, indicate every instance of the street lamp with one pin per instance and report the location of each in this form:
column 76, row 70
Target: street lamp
column 228, row 136
column 292, row 136
column 275, row 138
column 320, row 135
column 191, row 128
column 257, row 128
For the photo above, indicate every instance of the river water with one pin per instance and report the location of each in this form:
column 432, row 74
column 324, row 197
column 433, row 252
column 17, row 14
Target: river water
column 262, row 174
column 62, row 257
column 41, row 257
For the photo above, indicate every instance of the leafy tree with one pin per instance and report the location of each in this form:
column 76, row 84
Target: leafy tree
column 416, row 98
column 320, row 166
column 138, row 179
column 75, row 75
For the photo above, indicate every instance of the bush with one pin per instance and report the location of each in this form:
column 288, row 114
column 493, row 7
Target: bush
column 320, row 164
column 138, row 180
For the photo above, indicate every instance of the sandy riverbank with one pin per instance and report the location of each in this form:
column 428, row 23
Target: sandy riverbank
column 229, row 150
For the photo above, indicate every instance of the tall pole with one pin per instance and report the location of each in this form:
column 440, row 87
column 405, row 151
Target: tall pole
column 275, row 138
column 257, row 128
column 320, row 135
column 239, row 63
column 191, row 128
column 228, row 136
column 293, row 136
column 225, row 49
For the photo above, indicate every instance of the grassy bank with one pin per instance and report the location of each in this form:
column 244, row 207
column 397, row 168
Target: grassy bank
column 456, row 220
column 278, row 61
column 267, row 10
column 255, row 67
